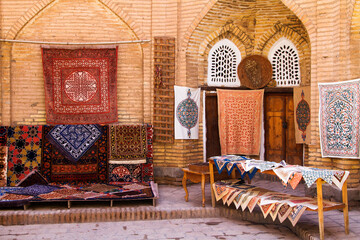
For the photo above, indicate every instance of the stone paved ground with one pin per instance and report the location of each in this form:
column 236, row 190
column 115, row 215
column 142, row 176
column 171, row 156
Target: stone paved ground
column 177, row 229
column 172, row 197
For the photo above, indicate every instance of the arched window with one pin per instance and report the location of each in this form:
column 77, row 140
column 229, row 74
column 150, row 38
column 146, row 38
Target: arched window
column 285, row 63
column 223, row 59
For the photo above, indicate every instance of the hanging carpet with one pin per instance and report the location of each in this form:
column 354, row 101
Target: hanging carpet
column 80, row 85
column 74, row 140
column 302, row 114
column 240, row 121
column 24, row 154
column 92, row 166
column 187, row 109
column 128, row 144
column 339, row 118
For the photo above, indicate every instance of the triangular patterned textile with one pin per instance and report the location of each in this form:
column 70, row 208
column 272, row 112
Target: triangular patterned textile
column 296, row 213
column 252, row 204
column 265, row 209
column 220, row 191
column 274, row 210
column 229, row 167
column 295, row 180
column 233, row 196
column 284, row 212
column 339, row 178
column 238, row 198
column 74, row 140
column 220, row 165
column 246, row 200
column 310, row 175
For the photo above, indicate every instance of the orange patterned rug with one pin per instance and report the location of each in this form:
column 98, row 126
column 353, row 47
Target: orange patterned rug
column 240, row 121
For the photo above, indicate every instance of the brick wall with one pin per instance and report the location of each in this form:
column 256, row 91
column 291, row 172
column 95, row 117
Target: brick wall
column 326, row 33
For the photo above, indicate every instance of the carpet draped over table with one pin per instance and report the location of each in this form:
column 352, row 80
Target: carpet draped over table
column 80, row 85
column 240, row 121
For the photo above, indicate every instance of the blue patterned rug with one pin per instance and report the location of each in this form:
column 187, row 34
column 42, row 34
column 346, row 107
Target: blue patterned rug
column 74, row 140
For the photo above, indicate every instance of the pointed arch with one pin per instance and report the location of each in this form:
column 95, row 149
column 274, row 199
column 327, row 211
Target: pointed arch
column 238, row 36
column 40, row 6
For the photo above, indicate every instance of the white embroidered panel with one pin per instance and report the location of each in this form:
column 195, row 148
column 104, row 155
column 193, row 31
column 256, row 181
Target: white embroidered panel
column 223, row 60
column 285, row 63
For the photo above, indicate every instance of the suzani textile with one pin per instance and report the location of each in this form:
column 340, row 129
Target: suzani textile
column 24, row 153
column 80, row 85
column 240, row 121
column 74, row 140
column 187, row 109
column 302, row 114
column 339, row 119
column 91, row 167
column 128, row 144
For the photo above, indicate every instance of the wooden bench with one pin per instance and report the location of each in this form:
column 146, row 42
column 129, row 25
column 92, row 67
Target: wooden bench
column 321, row 208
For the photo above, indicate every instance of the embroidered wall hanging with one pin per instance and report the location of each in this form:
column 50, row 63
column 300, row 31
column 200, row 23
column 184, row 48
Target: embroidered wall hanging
column 128, row 144
column 91, row 167
column 74, row 140
column 24, row 152
column 3, row 165
column 302, row 114
column 80, row 85
column 240, row 120
column 187, row 102
column 339, row 116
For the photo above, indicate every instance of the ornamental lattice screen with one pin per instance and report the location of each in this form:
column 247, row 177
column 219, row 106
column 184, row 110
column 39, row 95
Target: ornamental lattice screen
column 164, row 81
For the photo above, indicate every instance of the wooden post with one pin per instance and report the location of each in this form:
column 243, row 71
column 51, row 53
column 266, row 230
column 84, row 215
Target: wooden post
column 319, row 183
column 346, row 208
column 203, row 189
column 211, row 167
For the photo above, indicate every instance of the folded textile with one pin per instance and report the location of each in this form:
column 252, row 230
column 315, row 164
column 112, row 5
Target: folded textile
column 33, row 178
column 35, row 190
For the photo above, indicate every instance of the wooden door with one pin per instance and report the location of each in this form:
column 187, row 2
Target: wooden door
column 280, row 129
column 212, row 128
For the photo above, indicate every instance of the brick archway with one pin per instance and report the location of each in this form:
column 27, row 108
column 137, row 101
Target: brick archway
column 40, row 6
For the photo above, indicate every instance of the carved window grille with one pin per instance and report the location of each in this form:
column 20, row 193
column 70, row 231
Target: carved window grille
column 285, row 62
column 164, row 81
column 223, row 59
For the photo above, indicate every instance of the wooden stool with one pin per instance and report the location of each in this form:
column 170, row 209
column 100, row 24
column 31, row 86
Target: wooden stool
column 195, row 177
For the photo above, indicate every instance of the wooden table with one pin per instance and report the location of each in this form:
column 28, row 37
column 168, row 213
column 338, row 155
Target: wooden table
column 321, row 208
column 195, row 177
